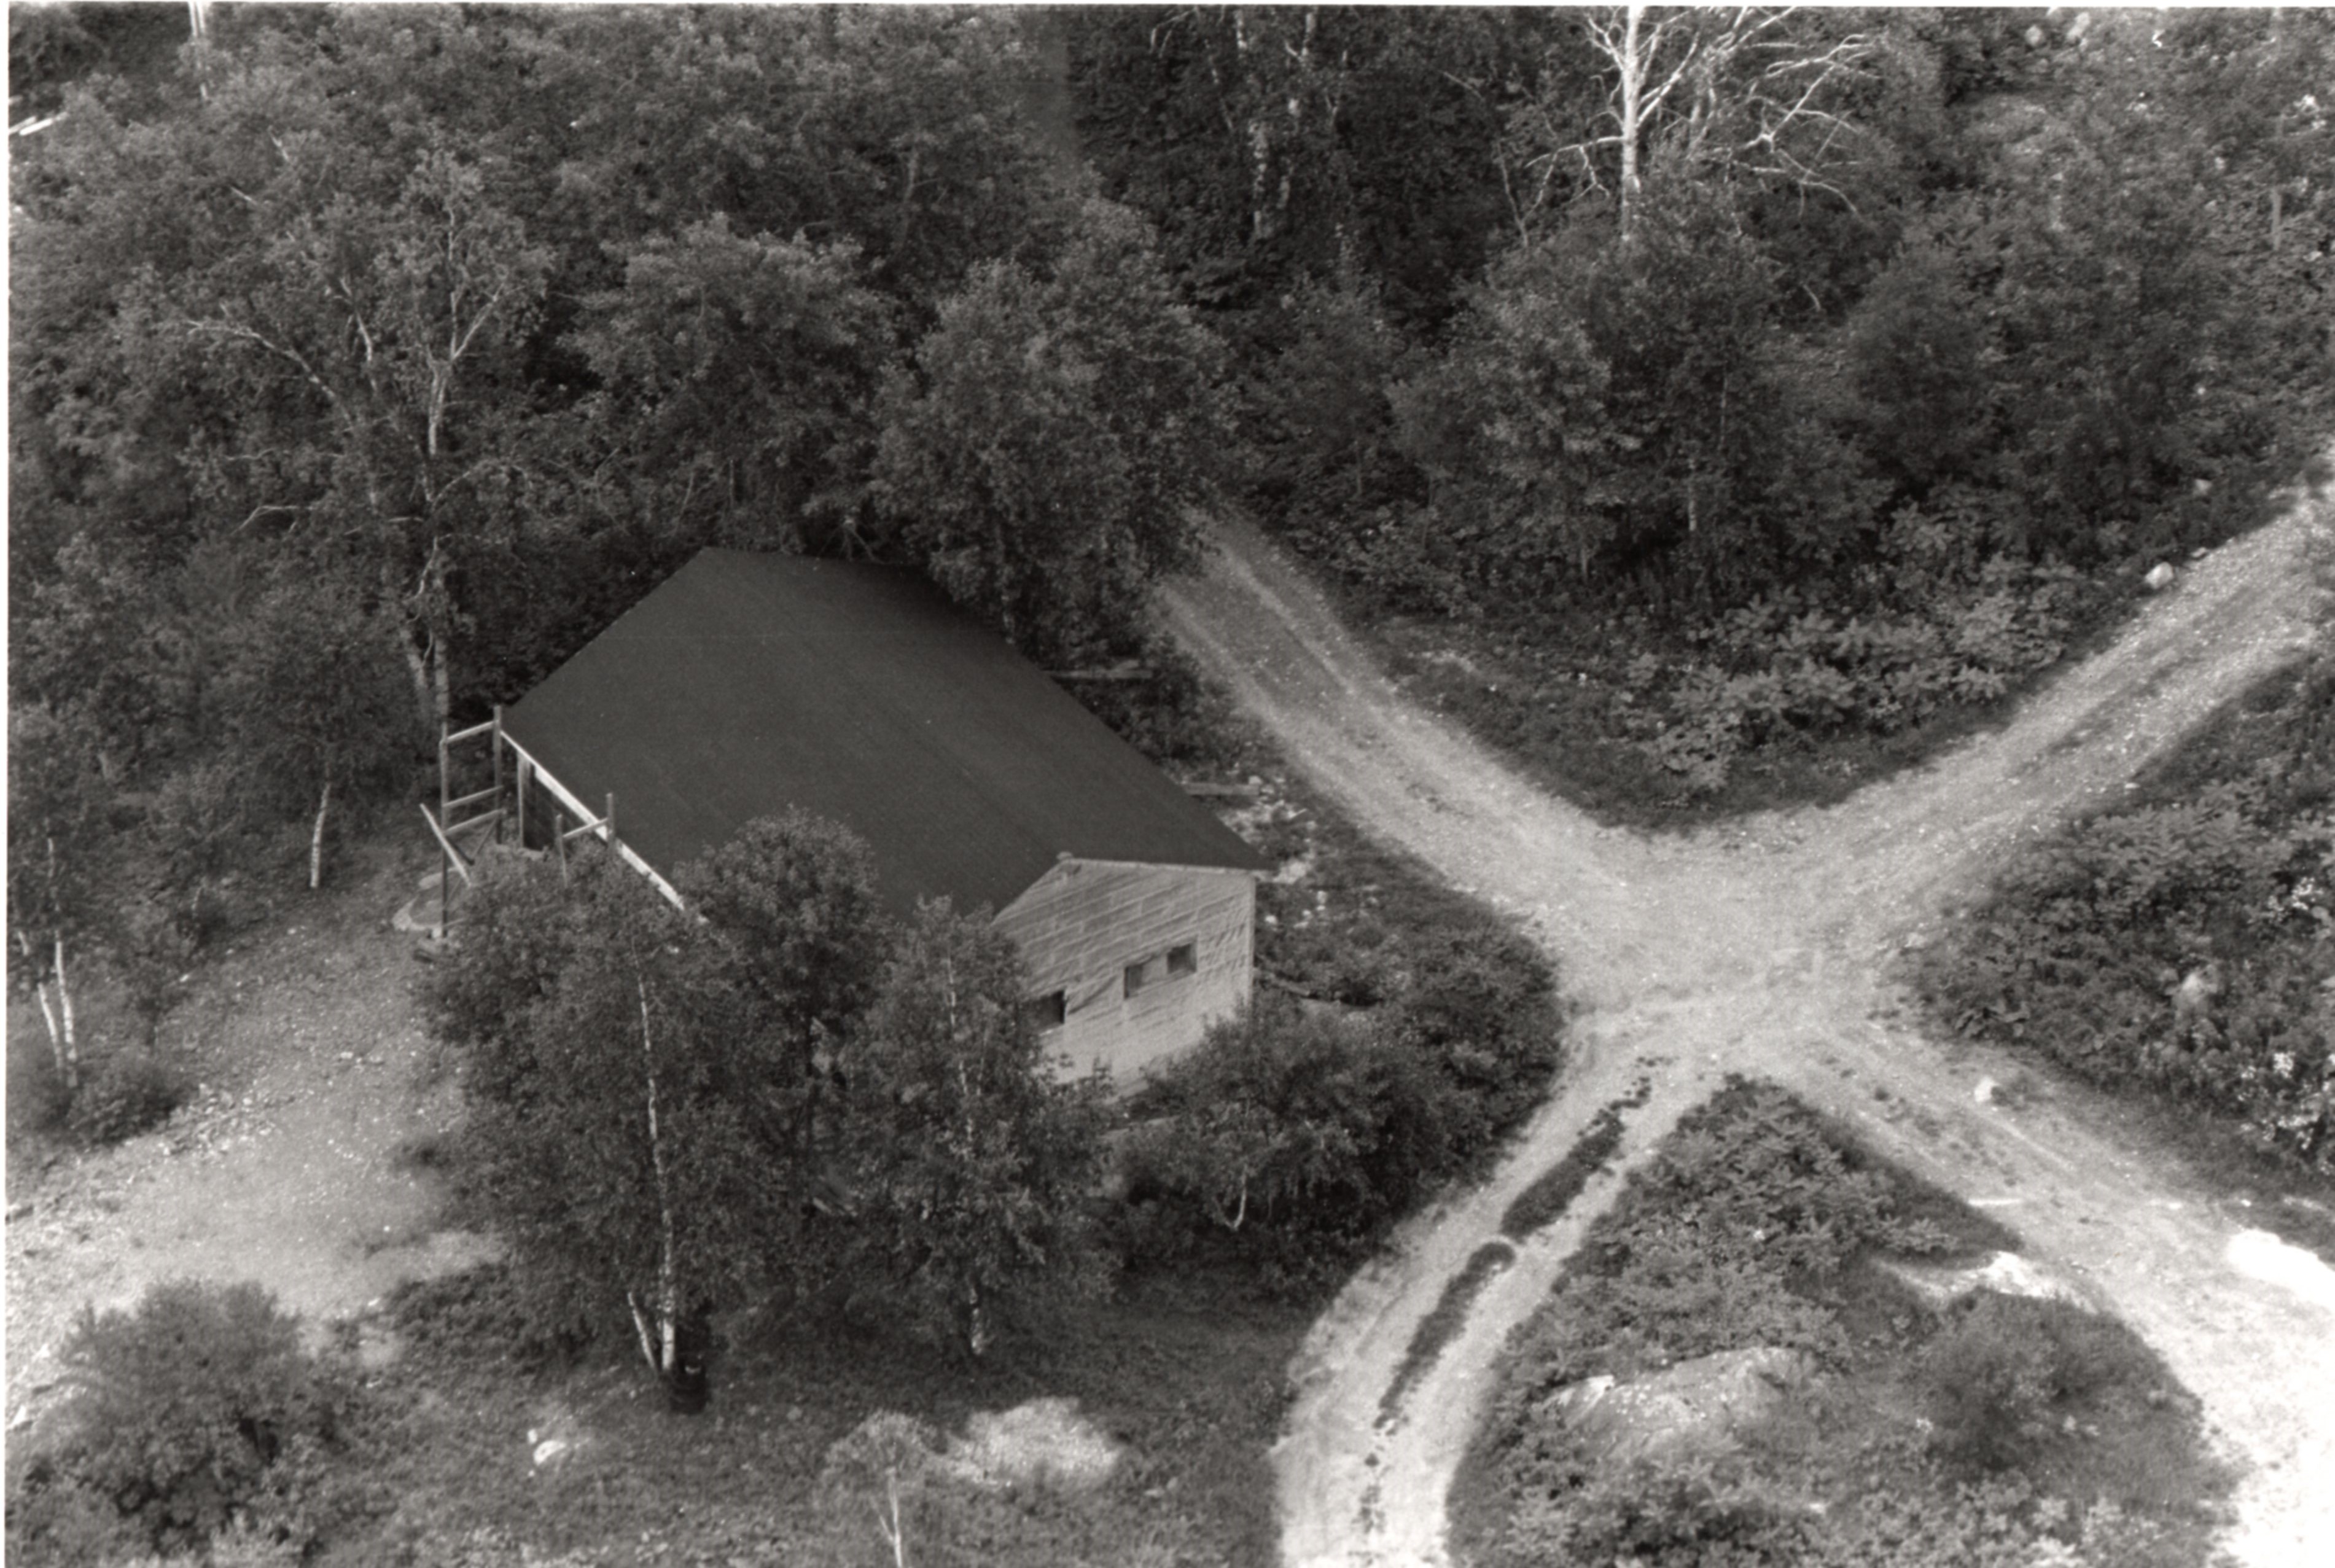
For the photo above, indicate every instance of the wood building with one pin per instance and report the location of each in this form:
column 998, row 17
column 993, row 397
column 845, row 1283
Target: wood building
column 747, row 683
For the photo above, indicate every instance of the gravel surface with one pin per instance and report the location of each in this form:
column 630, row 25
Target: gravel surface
column 285, row 1169
column 1764, row 946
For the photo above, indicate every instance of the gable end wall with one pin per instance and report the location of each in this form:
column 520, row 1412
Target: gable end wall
column 1079, row 927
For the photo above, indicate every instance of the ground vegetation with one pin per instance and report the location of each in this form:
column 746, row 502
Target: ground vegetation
column 1893, row 1428
column 2176, row 944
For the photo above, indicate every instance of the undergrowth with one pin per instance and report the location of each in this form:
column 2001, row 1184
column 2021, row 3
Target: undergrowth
column 1184, row 1375
column 1552, row 1191
column 196, row 1412
column 2185, row 941
column 1399, row 1031
column 1994, row 1431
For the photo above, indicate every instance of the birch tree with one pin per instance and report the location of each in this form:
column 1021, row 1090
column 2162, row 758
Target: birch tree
column 315, row 706
column 609, row 1131
column 58, row 834
column 1753, row 93
column 970, row 1163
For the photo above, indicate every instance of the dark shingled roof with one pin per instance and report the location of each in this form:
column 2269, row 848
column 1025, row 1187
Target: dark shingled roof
column 748, row 682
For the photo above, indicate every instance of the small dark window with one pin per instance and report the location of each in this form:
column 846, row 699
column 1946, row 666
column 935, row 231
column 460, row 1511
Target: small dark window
column 1184, row 960
column 1137, row 974
column 1050, row 1010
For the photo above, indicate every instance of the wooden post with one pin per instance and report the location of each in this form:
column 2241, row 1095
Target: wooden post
column 608, row 822
column 559, row 837
column 496, row 746
column 526, row 778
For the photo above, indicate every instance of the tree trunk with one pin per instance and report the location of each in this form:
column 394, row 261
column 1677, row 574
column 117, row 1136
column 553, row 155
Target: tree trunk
column 677, row 1358
column 1632, row 82
column 316, row 839
column 417, row 668
column 67, row 1048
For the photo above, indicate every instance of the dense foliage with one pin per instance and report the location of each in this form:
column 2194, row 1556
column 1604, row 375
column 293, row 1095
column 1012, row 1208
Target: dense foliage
column 1804, row 376
column 683, row 1113
column 2179, row 941
column 2045, row 1432
column 195, row 1410
column 371, row 361
column 1399, row 1033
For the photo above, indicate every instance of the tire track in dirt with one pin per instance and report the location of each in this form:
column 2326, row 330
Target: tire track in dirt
column 1762, row 946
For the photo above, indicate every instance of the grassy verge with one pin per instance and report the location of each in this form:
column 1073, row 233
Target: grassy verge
column 2178, row 948
column 1187, row 1381
column 1997, row 1429
column 1552, row 1191
column 1564, row 694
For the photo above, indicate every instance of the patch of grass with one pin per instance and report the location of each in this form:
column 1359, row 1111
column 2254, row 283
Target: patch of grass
column 1186, row 1375
column 1995, row 1431
column 1550, row 700
column 2176, row 944
column 1552, row 1191
column 1441, row 1325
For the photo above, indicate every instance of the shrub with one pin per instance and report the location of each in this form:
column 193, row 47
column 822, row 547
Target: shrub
column 2008, row 1368
column 2178, row 943
column 195, row 1410
column 1306, row 1134
column 126, row 1093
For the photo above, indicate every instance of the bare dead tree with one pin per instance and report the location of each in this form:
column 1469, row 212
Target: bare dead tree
column 1738, row 92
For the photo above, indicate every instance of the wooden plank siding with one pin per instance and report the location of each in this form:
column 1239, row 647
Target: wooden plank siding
column 1082, row 924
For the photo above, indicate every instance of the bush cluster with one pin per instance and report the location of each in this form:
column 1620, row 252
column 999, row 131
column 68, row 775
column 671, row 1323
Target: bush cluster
column 2180, row 943
column 127, row 1092
column 1299, row 1133
column 1748, row 1228
column 1998, row 1381
column 197, row 1413
column 1793, row 666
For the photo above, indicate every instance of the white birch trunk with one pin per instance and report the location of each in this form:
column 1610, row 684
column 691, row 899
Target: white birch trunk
column 664, row 1355
column 316, row 839
column 68, row 1047
column 1632, row 82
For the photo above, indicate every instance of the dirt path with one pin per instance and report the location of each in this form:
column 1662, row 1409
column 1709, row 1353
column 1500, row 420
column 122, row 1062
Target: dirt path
column 1762, row 947
column 285, row 1171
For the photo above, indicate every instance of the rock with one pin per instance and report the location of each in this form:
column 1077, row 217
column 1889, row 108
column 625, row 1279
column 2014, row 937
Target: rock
column 1984, row 1093
column 1043, row 1442
column 2160, row 577
column 2005, row 1273
column 1698, row 1405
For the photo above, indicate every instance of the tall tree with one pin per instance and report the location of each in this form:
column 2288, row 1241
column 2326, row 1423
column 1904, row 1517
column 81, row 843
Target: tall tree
column 971, row 1165
column 615, row 1148
column 1040, row 461
column 796, row 933
column 736, row 377
column 1745, row 93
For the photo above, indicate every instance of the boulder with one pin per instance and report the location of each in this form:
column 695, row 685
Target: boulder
column 2160, row 576
column 2005, row 1273
column 1703, row 1405
column 1043, row 1442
